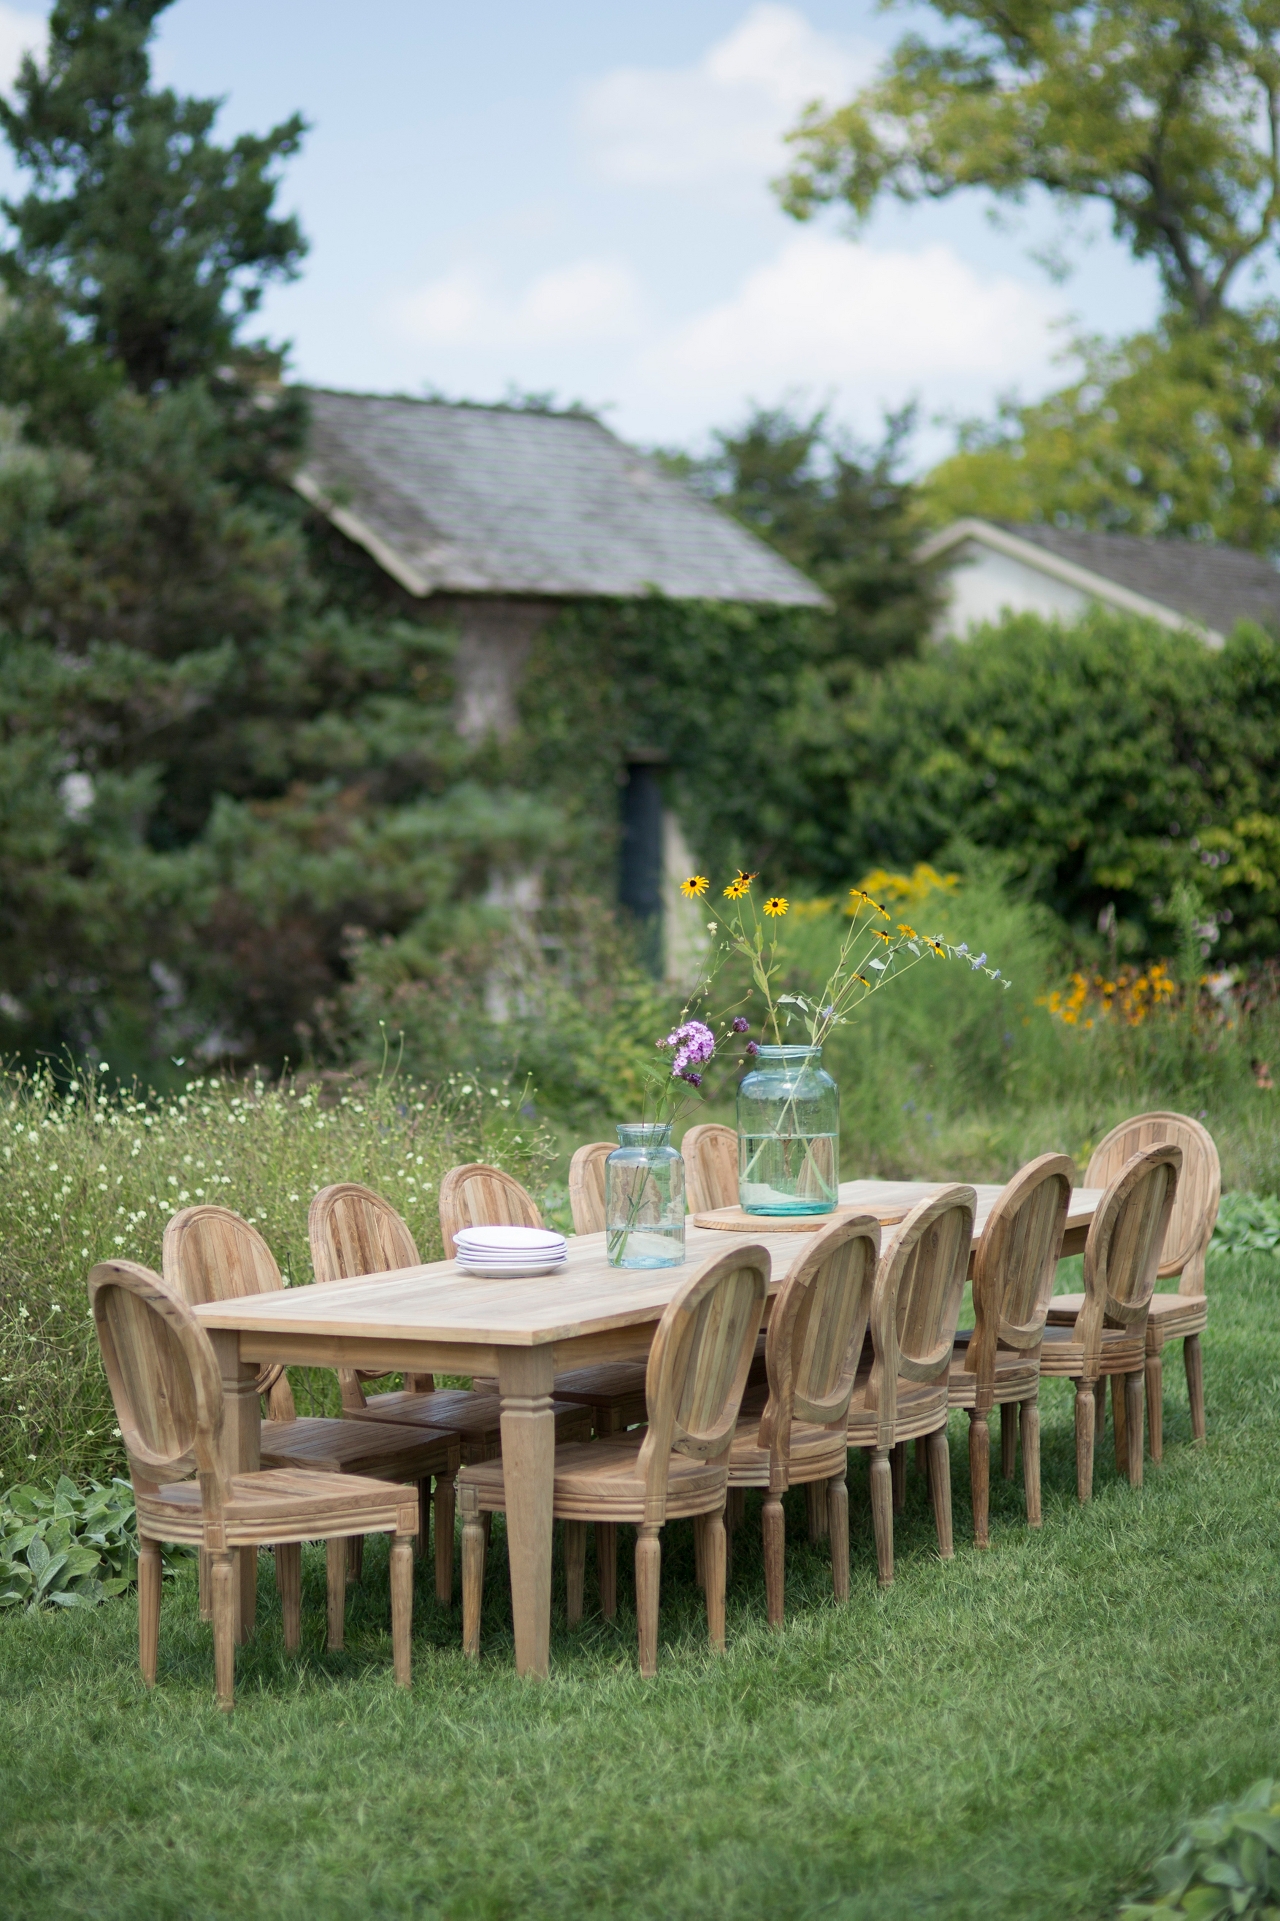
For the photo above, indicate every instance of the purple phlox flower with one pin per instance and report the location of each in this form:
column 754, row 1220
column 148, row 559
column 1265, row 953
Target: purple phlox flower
column 694, row 1043
column 694, row 1080
column 827, row 1012
column 740, row 1023
column 978, row 959
column 753, row 1047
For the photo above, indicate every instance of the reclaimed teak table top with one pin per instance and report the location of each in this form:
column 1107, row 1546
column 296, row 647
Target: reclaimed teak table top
column 432, row 1319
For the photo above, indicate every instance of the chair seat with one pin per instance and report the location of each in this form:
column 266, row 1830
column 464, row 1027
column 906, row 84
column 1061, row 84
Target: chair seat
column 1063, row 1355
column 618, row 1386
column 922, row 1406
column 1171, row 1316
column 475, row 1417
column 282, row 1504
column 817, row 1453
column 599, row 1481
column 1017, row 1379
column 359, row 1447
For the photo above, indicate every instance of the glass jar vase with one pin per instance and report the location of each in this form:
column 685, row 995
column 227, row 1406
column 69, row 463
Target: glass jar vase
column 788, row 1134
column 644, row 1198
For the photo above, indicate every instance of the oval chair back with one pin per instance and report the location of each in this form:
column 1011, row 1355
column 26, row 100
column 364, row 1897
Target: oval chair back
column 916, row 1303
column 1122, row 1253
column 213, row 1254
column 353, row 1231
column 1015, row 1265
column 480, row 1196
column 1199, row 1188
column 586, row 1187
column 816, row 1332
column 163, row 1377
column 698, row 1366
column 710, row 1153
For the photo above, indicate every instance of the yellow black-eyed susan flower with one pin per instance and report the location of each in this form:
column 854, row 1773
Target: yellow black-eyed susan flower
column 881, row 935
column 736, row 889
column 936, row 947
column 695, row 887
column 863, row 979
column 776, row 906
column 909, row 932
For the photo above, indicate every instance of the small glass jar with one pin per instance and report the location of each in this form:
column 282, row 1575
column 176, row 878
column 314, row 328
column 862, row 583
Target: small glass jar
column 644, row 1198
column 788, row 1134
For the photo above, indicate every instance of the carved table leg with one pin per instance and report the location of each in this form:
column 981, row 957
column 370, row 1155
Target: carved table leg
column 525, row 1378
column 241, row 1433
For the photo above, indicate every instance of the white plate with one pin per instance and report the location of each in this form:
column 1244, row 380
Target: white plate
column 510, row 1270
column 510, row 1240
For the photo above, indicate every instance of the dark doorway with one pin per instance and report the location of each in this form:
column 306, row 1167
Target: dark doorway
column 640, row 874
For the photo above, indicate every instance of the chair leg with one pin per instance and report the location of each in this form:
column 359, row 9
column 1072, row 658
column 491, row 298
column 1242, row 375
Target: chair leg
column 838, row 1526
column 1100, row 1407
column 402, row 1607
column 289, row 1578
column 1029, row 1423
column 1119, row 1419
column 607, row 1567
column 1008, row 1441
column 717, row 1574
column 1086, row 1403
column 1193, row 1361
column 1154, row 1383
column 149, row 1573
column 774, row 1523
column 575, row 1568
column 355, row 1557
column 882, row 1514
column 648, row 1585
column 922, row 1454
column 980, row 1474
column 222, row 1602
column 898, row 1460
column 337, row 1563
column 940, row 1488
column 443, row 1502
column 205, row 1565
column 1133, row 1427
column 423, row 1535
column 473, row 1547
column 816, row 1507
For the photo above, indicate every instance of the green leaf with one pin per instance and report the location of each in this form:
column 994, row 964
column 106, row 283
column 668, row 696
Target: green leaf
column 37, row 1556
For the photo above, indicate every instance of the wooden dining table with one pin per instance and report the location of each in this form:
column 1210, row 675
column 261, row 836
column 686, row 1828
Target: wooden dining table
column 432, row 1319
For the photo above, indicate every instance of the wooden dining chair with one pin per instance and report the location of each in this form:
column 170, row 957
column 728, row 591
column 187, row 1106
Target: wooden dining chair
column 800, row 1435
column 612, row 1395
column 998, row 1363
column 677, row 1467
column 354, row 1232
column 1108, row 1335
column 169, row 1401
column 1171, row 1317
column 586, row 1186
column 212, row 1254
column 915, row 1305
column 710, row 1153
column 614, row 1391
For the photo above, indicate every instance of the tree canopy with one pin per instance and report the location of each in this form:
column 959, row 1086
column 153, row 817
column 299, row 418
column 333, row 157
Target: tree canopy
column 1166, row 112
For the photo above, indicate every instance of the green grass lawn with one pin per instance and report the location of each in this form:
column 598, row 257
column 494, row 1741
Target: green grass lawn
column 1014, row 1734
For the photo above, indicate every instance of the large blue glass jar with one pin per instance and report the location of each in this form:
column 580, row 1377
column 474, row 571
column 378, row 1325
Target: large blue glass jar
column 644, row 1199
column 788, row 1134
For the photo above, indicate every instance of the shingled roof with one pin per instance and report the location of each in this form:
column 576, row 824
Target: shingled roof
column 1198, row 583
column 501, row 500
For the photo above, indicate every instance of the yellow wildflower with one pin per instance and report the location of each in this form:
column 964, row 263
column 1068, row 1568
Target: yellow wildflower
column 775, row 906
column 695, row 887
column 740, row 886
column 936, row 947
column 881, row 935
column 909, row 932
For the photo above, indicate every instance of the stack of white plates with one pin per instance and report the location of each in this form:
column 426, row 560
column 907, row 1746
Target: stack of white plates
column 510, row 1253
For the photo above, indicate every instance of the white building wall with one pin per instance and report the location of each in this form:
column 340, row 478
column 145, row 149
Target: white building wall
column 986, row 584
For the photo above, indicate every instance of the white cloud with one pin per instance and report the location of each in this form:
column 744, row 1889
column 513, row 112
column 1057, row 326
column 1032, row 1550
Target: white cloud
column 588, row 301
column 725, row 116
column 19, row 33
column 828, row 315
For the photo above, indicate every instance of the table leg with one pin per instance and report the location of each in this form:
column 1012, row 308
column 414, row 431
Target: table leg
column 525, row 1378
column 241, row 1438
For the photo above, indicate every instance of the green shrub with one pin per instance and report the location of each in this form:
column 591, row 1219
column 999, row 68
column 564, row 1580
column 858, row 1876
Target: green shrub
column 1247, row 1224
column 1226, row 1864
column 67, row 1548
column 88, row 1175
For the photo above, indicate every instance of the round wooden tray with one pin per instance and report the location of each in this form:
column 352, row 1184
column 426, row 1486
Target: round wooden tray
column 736, row 1220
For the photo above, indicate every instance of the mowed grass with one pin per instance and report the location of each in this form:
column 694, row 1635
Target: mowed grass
column 1013, row 1734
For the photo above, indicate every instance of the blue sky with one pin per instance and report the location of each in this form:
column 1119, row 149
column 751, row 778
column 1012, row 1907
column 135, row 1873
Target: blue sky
column 574, row 197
